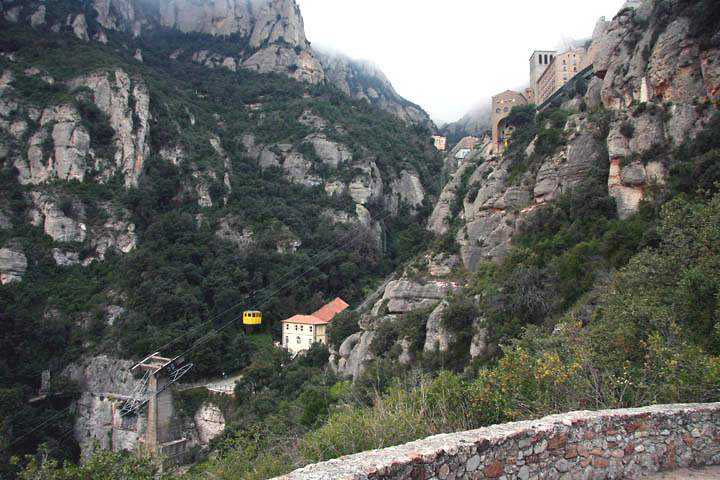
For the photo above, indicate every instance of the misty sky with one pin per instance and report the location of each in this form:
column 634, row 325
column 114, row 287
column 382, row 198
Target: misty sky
column 449, row 55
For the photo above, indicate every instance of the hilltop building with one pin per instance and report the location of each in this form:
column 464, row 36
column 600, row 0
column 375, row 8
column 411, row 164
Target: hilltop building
column 502, row 103
column 539, row 62
column 300, row 332
column 440, row 142
column 562, row 68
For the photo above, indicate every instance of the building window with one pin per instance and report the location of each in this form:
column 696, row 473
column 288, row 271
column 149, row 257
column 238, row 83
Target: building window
column 540, row 59
column 310, row 328
column 321, row 340
column 297, row 339
column 546, row 59
column 287, row 326
column 506, row 109
column 563, row 61
column 301, row 328
column 287, row 341
column 497, row 110
column 296, row 327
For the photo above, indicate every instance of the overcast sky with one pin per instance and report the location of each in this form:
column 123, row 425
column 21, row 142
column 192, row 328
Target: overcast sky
column 448, row 56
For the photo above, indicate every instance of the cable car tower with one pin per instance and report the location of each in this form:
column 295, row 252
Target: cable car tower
column 153, row 390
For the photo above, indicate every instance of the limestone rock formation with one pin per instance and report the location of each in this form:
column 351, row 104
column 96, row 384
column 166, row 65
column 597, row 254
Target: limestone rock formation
column 364, row 81
column 403, row 295
column 56, row 223
column 100, row 378
column 437, row 338
column 331, row 153
column 367, row 186
column 65, row 258
column 57, row 150
column 406, row 189
column 126, row 102
column 116, row 235
column 209, row 422
column 354, row 354
column 642, row 57
column 13, row 265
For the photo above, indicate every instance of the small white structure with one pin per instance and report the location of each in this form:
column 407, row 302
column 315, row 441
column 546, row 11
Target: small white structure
column 300, row 332
column 462, row 154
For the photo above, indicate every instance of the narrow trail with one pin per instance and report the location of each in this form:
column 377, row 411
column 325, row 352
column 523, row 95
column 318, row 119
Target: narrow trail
column 220, row 385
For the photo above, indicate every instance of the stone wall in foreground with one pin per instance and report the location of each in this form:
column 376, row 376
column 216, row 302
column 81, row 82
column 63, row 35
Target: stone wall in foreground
column 629, row 443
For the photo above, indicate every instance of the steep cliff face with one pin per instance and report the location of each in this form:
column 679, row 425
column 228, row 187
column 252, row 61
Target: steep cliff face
column 363, row 80
column 652, row 75
column 265, row 36
column 420, row 290
column 655, row 87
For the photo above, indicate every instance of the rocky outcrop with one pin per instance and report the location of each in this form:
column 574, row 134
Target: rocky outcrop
column 65, row 258
column 566, row 169
column 274, row 28
column 126, row 102
column 354, row 354
column 116, row 235
column 364, row 81
column 643, row 55
column 56, row 223
column 80, row 27
column 402, row 296
column 329, row 152
column 103, row 381
column 209, row 423
column 231, row 229
column 367, row 186
column 439, row 221
column 406, row 190
column 59, row 149
column 13, row 265
column 437, row 338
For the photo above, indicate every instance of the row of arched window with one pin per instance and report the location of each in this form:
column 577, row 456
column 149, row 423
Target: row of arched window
column 545, row 59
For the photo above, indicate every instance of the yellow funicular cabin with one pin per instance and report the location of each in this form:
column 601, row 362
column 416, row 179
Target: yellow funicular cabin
column 252, row 317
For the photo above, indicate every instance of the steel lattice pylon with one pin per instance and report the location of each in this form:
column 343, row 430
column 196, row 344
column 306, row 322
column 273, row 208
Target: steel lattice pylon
column 153, row 364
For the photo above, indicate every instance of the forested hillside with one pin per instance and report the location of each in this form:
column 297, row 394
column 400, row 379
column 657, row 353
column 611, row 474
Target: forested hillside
column 151, row 191
column 147, row 196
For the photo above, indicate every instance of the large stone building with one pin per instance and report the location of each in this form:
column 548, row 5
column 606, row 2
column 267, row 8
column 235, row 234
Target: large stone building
column 502, row 104
column 539, row 61
column 300, row 332
column 561, row 69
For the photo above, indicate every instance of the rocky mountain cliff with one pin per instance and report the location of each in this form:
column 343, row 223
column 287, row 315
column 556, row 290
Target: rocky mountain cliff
column 363, row 80
column 265, row 36
column 164, row 161
column 656, row 85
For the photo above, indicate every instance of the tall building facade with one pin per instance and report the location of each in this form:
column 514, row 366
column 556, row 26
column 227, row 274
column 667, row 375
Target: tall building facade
column 561, row 69
column 539, row 62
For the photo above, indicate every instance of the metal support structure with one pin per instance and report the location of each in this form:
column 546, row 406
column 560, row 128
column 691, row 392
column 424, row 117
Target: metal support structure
column 153, row 365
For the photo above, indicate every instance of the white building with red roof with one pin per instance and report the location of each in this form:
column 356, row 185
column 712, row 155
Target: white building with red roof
column 299, row 332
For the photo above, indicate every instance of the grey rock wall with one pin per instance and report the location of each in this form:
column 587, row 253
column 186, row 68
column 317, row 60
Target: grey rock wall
column 606, row 444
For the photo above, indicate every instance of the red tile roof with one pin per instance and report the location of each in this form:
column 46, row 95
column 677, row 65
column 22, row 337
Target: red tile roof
column 321, row 317
column 328, row 311
column 305, row 320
